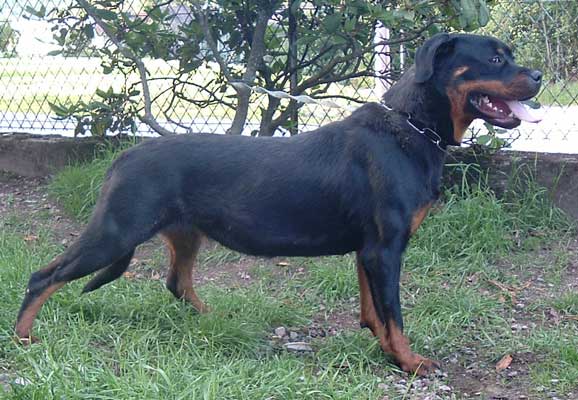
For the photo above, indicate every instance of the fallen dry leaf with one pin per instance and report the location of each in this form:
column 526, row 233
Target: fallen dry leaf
column 512, row 291
column 283, row 264
column 30, row 238
column 129, row 275
column 504, row 363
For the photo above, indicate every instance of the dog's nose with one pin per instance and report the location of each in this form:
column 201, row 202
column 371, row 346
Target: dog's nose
column 536, row 75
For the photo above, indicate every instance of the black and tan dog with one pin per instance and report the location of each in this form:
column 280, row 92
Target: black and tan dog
column 361, row 185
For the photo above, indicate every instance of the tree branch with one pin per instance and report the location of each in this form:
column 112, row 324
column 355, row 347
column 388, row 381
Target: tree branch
column 148, row 117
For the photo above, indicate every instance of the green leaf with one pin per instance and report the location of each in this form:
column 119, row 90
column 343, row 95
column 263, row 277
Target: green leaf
column 408, row 15
column 40, row 13
column 101, row 93
column 339, row 40
column 491, row 128
column 349, row 24
column 469, row 13
column 104, row 14
column 484, row 140
column 484, row 13
column 88, row 31
column 97, row 106
column 54, row 53
column 332, row 23
column 58, row 109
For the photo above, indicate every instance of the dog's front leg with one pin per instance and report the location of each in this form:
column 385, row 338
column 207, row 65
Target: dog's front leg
column 378, row 269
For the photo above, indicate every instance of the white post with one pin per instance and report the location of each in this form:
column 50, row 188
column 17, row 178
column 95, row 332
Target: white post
column 382, row 63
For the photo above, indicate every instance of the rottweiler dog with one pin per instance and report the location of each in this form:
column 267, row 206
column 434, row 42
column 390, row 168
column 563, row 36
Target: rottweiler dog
column 363, row 184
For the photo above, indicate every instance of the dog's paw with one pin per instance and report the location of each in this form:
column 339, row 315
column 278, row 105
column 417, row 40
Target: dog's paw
column 26, row 340
column 418, row 365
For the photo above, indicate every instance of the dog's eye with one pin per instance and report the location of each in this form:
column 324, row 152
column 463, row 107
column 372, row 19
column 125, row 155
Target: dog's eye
column 496, row 60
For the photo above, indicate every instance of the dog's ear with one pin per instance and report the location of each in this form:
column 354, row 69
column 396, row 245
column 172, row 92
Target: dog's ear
column 426, row 55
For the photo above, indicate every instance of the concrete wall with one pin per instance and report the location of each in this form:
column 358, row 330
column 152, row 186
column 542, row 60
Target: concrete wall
column 556, row 172
column 32, row 155
column 37, row 156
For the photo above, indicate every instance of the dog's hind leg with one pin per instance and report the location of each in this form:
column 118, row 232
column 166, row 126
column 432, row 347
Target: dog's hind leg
column 101, row 245
column 183, row 247
column 109, row 274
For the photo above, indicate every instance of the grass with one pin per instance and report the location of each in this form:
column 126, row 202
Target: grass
column 77, row 187
column 131, row 340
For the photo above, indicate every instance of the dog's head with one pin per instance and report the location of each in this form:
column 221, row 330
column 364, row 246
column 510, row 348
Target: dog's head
column 480, row 79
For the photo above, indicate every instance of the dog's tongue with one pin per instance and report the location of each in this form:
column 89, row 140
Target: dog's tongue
column 523, row 113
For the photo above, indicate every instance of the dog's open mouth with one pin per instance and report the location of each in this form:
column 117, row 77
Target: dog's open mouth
column 504, row 113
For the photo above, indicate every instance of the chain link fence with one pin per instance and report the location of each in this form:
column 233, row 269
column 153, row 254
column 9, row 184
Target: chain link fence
column 544, row 35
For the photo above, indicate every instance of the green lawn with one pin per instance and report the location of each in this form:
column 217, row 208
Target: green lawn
column 131, row 340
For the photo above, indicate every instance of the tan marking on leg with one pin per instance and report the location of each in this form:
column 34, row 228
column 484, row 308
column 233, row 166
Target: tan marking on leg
column 368, row 316
column 391, row 339
column 405, row 358
column 418, row 217
column 183, row 250
column 26, row 321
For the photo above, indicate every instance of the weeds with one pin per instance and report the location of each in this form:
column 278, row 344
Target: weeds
column 131, row 340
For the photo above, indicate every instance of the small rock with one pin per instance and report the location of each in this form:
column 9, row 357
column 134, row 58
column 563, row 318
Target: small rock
column 281, row 331
column 298, row 347
column 445, row 388
column 293, row 335
column 512, row 374
column 244, row 275
column 21, row 381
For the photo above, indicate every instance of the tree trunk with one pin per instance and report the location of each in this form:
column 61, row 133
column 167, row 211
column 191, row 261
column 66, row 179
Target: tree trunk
column 254, row 60
column 266, row 128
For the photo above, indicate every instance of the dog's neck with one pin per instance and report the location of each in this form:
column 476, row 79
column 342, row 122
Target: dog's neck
column 423, row 102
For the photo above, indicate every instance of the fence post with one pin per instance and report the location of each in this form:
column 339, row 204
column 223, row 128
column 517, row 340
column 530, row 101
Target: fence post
column 293, row 81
